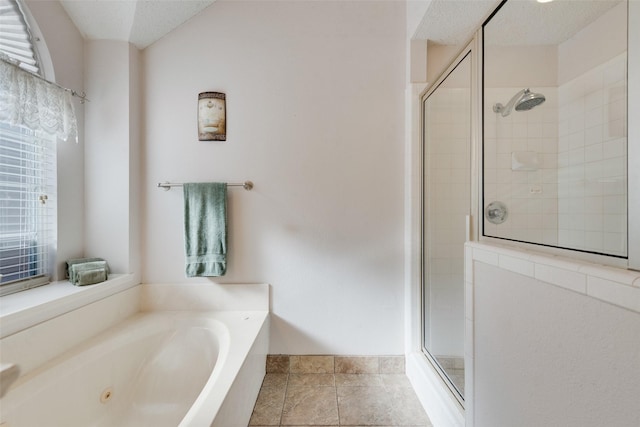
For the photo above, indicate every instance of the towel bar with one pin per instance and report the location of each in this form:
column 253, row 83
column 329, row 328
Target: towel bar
column 247, row 185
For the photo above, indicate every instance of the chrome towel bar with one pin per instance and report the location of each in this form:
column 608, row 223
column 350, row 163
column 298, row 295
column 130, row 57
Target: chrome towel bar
column 247, row 185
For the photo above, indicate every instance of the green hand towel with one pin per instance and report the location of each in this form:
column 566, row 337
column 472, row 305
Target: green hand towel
column 205, row 228
column 76, row 268
column 91, row 277
column 72, row 262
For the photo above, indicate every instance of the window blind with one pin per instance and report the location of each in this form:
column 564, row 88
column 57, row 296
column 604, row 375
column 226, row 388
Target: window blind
column 15, row 37
column 27, row 207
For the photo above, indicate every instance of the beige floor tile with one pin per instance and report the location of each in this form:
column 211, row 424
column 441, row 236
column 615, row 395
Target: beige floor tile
column 275, row 380
column 306, row 405
column 278, row 364
column 364, row 391
column 395, row 406
column 311, row 364
column 392, row 364
column 358, row 380
column 312, row 380
column 356, row 365
column 395, row 380
column 268, row 408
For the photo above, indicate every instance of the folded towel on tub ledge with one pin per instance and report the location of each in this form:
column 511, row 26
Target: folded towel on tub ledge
column 87, row 271
column 91, row 277
column 205, row 228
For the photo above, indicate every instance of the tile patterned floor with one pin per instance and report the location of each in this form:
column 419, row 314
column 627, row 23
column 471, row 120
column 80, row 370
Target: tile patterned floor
column 337, row 391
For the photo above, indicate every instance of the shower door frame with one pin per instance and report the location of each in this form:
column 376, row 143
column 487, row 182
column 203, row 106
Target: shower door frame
column 471, row 49
column 633, row 133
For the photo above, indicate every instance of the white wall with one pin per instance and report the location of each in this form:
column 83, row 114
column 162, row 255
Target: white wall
column 135, row 163
column 315, row 118
column 438, row 59
column 526, row 66
column 111, row 157
column 603, row 39
column 551, row 341
column 65, row 46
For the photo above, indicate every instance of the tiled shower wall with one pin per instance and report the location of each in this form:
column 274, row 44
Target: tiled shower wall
column 531, row 196
column 447, row 202
column 592, row 160
column 577, row 197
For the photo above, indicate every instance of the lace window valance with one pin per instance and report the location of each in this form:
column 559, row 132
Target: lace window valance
column 28, row 100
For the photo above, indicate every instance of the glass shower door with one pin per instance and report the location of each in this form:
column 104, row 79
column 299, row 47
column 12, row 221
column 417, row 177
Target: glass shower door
column 446, row 204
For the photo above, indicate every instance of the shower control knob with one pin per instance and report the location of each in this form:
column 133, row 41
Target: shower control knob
column 496, row 212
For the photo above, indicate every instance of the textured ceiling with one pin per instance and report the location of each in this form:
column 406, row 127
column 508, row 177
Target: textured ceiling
column 140, row 22
column 451, row 22
column 532, row 23
column 519, row 22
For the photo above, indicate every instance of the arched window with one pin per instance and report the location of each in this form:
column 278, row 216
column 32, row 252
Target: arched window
column 16, row 40
column 27, row 172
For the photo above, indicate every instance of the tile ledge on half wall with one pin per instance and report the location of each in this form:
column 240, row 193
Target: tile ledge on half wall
column 615, row 286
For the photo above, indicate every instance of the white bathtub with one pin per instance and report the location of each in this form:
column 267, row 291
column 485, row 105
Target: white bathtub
column 156, row 368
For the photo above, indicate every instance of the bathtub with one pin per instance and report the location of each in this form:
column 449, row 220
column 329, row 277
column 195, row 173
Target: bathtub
column 155, row 368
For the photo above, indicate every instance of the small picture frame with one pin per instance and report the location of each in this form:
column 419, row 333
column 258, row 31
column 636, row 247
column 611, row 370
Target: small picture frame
column 212, row 116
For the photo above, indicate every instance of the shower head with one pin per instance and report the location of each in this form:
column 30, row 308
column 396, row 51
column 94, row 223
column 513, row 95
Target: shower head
column 524, row 100
column 529, row 100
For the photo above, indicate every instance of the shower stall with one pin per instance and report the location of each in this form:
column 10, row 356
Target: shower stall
column 547, row 167
column 527, row 147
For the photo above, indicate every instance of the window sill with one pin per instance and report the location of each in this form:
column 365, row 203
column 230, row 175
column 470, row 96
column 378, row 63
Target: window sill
column 28, row 308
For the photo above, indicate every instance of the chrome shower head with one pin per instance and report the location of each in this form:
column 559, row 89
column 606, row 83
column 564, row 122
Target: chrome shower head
column 524, row 100
column 529, row 100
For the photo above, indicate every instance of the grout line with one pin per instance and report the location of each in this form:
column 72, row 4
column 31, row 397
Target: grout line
column 335, row 388
column 286, row 389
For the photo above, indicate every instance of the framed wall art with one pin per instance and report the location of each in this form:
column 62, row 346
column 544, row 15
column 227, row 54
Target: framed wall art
column 212, row 116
